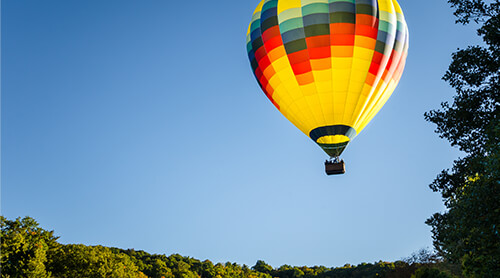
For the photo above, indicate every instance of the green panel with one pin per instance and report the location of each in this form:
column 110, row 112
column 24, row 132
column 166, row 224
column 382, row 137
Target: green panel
column 348, row 1
column 380, row 47
column 365, row 9
column 385, row 26
column 315, row 9
column 342, row 17
column 255, row 25
column 295, row 46
column 334, row 150
column 291, row 24
column 317, row 30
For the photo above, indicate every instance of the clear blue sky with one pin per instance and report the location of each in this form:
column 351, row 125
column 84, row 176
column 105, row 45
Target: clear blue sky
column 138, row 124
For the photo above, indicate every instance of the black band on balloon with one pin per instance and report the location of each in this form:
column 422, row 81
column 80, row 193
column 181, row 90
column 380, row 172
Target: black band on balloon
column 345, row 130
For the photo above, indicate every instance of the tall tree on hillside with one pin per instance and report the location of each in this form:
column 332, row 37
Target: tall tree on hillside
column 468, row 232
column 24, row 248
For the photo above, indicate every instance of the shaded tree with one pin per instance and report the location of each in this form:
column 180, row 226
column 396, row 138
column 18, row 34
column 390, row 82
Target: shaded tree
column 24, row 248
column 261, row 266
column 426, row 272
column 468, row 232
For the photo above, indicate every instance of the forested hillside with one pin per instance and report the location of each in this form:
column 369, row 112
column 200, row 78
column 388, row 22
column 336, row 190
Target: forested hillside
column 28, row 250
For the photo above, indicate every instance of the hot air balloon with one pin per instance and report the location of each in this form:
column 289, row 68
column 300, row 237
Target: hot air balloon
column 328, row 65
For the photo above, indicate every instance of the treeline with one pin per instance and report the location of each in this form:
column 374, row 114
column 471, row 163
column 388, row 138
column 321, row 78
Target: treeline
column 27, row 250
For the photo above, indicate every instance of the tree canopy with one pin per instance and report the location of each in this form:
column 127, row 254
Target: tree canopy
column 30, row 251
column 468, row 231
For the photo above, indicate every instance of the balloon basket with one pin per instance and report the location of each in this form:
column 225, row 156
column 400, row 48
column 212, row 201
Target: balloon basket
column 334, row 168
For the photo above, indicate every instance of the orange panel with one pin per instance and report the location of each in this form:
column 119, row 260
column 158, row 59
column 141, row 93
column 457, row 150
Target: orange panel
column 342, row 28
column 306, row 78
column 342, row 51
column 318, row 41
column 321, row 64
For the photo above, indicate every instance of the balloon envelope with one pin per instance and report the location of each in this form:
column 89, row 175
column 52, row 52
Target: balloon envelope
column 328, row 65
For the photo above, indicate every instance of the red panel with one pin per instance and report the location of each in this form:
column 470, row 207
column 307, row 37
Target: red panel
column 368, row 20
column 301, row 68
column 260, row 53
column 258, row 73
column 377, row 57
column 318, row 41
column 342, row 39
column 367, row 31
column 374, row 68
column 263, row 81
column 298, row 57
column 395, row 56
column 271, row 33
column 391, row 65
column 320, row 52
column 342, row 28
column 264, row 63
column 273, row 43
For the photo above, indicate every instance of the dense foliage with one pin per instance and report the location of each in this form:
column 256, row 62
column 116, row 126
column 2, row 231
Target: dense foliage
column 30, row 251
column 24, row 248
column 468, row 231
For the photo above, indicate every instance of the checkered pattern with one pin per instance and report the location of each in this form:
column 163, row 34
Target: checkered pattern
column 327, row 64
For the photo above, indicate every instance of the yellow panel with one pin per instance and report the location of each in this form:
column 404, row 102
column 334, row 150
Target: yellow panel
column 304, row 108
column 386, row 6
column 288, row 4
column 309, row 89
column 324, row 87
column 298, row 111
column 323, row 75
column 281, row 64
column 323, row 84
column 363, row 53
column 366, row 104
column 333, row 139
column 307, row 2
column 287, row 90
column 295, row 117
column 357, row 81
column 315, row 109
column 397, row 7
column 341, row 63
column 361, row 68
column 327, row 99
column 338, row 105
column 387, row 11
column 361, row 63
column 340, row 77
column 378, row 105
column 275, row 81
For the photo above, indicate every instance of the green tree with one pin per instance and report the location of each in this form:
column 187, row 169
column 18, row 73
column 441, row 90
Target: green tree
column 426, row 272
column 468, row 232
column 262, row 267
column 24, row 248
column 77, row 260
